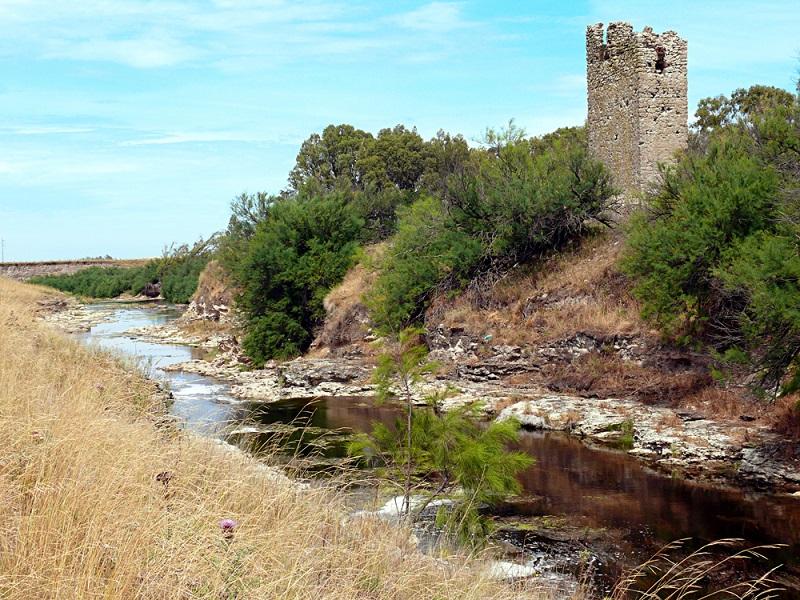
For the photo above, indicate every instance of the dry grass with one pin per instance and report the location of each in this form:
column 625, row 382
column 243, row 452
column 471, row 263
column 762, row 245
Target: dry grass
column 723, row 403
column 346, row 320
column 689, row 577
column 215, row 285
column 606, row 374
column 785, row 417
column 86, row 514
column 576, row 290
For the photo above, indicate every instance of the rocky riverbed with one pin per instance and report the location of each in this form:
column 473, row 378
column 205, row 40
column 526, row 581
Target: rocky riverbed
column 71, row 316
column 669, row 440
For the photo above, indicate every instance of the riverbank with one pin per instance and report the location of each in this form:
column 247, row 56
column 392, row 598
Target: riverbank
column 671, row 440
column 103, row 496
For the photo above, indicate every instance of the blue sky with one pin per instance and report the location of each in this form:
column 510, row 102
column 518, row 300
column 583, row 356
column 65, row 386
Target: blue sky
column 130, row 124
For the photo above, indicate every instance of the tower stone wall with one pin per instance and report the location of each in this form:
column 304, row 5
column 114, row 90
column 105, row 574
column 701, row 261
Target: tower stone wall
column 638, row 107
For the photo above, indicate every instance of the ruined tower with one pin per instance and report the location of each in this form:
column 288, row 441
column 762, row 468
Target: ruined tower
column 638, row 108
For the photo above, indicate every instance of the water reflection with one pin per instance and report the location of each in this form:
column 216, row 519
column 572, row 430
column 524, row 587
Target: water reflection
column 202, row 404
column 612, row 490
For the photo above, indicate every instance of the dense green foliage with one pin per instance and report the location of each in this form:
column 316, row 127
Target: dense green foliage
column 715, row 257
column 96, row 282
column 425, row 253
column 177, row 272
column 286, row 251
column 510, row 202
column 293, row 258
column 706, row 205
column 450, row 213
column 379, row 173
column 436, row 453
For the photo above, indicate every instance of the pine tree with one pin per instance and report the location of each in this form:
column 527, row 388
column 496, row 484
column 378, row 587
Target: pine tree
column 437, row 454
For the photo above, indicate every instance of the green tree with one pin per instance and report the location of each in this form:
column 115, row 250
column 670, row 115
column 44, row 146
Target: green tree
column 435, row 453
column 247, row 211
column 394, row 158
column 446, row 158
column 714, row 258
column 522, row 197
column 426, row 254
column 513, row 201
column 765, row 267
column 719, row 111
column 297, row 254
column 330, row 161
column 705, row 205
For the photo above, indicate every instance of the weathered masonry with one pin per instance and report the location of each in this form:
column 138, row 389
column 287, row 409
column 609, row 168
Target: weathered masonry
column 638, row 108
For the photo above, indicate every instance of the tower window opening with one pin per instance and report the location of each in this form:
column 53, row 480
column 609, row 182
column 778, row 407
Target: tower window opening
column 661, row 59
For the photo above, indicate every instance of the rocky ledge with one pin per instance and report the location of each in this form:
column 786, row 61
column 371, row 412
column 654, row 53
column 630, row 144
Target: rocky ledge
column 300, row 378
column 71, row 316
column 171, row 333
column 671, row 441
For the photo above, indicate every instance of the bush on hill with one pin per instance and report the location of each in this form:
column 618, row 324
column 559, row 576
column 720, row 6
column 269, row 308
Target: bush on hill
column 715, row 256
column 295, row 256
column 177, row 271
column 512, row 201
column 96, row 282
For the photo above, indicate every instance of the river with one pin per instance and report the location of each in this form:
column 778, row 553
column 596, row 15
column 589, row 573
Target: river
column 578, row 496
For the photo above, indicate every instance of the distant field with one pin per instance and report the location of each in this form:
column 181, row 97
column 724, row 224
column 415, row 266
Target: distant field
column 119, row 262
column 27, row 269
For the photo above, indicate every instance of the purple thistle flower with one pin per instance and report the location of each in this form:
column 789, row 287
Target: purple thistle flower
column 227, row 526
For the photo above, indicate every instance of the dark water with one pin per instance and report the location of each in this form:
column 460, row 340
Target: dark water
column 588, row 487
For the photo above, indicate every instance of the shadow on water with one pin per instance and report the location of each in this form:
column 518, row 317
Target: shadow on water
column 313, row 432
column 592, row 488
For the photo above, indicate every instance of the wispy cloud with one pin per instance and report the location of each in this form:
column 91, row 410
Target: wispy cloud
column 220, row 33
column 441, row 17
column 46, row 130
column 190, row 138
column 143, row 52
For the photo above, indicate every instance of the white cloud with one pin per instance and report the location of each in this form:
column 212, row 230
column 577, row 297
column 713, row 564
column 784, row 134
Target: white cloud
column 188, row 138
column 440, row 17
column 142, row 52
column 231, row 35
column 61, row 169
column 49, row 130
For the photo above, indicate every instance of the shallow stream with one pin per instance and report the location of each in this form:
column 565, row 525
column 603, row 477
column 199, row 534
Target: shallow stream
column 584, row 499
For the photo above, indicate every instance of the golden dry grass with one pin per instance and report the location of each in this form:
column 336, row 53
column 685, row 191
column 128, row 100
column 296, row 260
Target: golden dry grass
column 575, row 290
column 214, row 283
column 346, row 321
column 84, row 515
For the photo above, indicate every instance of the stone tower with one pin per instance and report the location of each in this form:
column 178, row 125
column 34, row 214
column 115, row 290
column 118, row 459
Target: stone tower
column 638, row 108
